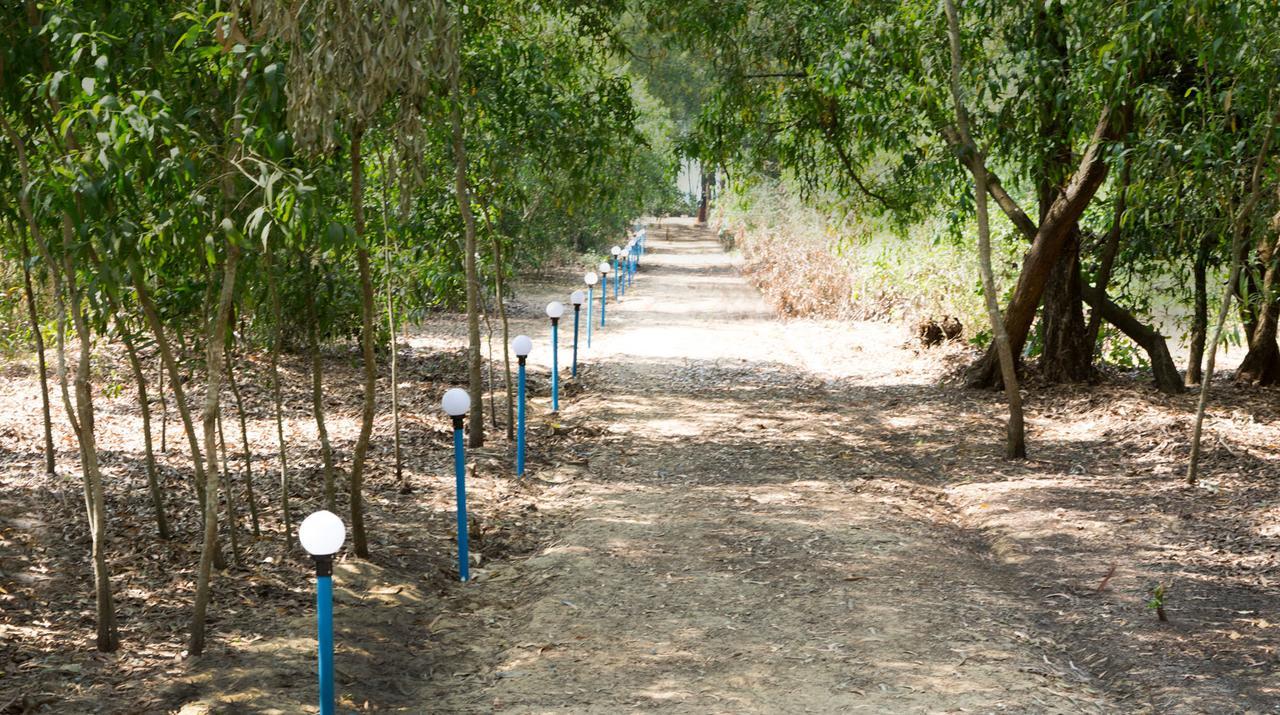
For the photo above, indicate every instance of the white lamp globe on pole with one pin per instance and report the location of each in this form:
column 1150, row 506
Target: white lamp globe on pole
column 522, row 346
column 322, row 533
column 456, row 402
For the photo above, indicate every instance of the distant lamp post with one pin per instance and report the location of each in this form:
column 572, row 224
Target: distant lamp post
column 631, row 261
column 617, row 277
column 590, row 279
column 555, row 309
column 521, row 346
column 577, row 298
column 322, row 534
column 456, row 404
column 604, row 288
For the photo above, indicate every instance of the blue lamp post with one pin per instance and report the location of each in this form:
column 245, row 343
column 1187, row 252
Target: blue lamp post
column 631, row 261
column 604, row 288
column 322, row 535
column 577, row 298
column 456, row 404
column 521, row 346
column 617, row 275
column 555, row 309
column 590, row 279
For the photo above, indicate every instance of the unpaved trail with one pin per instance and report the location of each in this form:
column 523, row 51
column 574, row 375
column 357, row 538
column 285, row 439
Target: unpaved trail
column 737, row 535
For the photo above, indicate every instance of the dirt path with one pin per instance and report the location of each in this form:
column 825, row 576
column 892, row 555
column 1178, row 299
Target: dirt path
column 738, row 539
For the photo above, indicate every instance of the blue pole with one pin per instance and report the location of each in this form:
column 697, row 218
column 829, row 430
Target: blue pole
column 576, row 309
column 591, row 296
column 555, row 365
column 520, row 421
column 617, row 278
column 604, row 298
column 324, row 632
column 460, row 476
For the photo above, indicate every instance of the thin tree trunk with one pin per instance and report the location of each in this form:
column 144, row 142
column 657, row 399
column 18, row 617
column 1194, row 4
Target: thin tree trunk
column 462, row 191
column 359, row 540
column 1200, row 313
column 213, row 360
column 317, row 387
column 488, row 324
column 37, row 337
column 70, row 300
column 164, row 410
column 228, row 488
column 393, row 335
column 144, row 404
column 152, row 316
column 277, row 328
column 1241, row 221
column 1015, row 447
column 499, row 284
column 244, row 444
column 1110, row 249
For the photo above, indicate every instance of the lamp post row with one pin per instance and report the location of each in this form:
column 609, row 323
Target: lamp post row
column 323, row 533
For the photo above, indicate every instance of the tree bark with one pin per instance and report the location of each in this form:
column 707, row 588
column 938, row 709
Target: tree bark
column 228, row 488
column 1200, row 313
column 37, row 338
column 1239, row 229
column 152, row 316
column 213, row 361
column 1110, row 249
column 1015, row 439
column 1164, row 372
column 70, row 300
column 245, row 450
column 499, row 284
column 1053, row 233
column 392, row 332
column 1261, row 364
column 359, row 540
column 1066, row 355
column 475, row 377
column 317, row 387
column 144, row 405
column 277, row 329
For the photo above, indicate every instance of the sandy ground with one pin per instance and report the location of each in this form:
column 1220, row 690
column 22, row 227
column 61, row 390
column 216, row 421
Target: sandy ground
column 731, row 513
column 733, row 549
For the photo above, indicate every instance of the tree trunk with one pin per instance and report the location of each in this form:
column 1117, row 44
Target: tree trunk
column 244, row 444
column 392, row 333
column 463, row 194
column 152, row 315
column 359, row 540
column 1015, row 439
column 69, row 299
column 213, row 360
column 1239, row 227
column 1200, row 313
column 1110, row 249
column 228, row 488
column 499, row 283
column 164, row 411
column 144, row 404
column 1261, row 364
column 1054, row 232
column 317, row 387
column 37, row 338
column 1163, row 371
column 277, row 328
column 1067, row 355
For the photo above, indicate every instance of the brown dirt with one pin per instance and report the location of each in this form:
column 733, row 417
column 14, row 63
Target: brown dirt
column 730, row 514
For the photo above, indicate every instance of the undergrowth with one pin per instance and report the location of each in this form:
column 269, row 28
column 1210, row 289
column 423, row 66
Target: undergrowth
column 811, row 262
